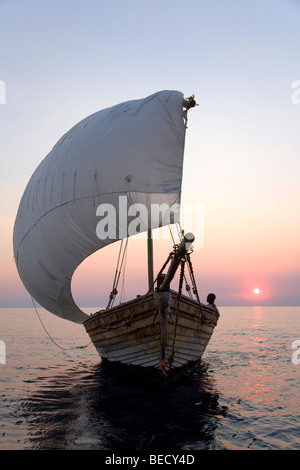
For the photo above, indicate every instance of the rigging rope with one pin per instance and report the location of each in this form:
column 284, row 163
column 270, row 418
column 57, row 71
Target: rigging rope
column 171, row 235
column 122, row 295
column 127, row 322
column 64, row 349
column 114, row 290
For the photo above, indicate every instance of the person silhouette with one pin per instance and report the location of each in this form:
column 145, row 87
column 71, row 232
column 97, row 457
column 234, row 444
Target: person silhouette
column 211, row 301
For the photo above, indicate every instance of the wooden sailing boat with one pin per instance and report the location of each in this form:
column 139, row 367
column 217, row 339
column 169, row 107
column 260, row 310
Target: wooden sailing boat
column 164, row 330
column 124, row 157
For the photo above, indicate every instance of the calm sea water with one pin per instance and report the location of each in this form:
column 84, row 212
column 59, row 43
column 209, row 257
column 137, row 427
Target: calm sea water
column 244, row 395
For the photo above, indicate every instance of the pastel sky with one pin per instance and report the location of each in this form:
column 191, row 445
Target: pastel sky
column 63, row 60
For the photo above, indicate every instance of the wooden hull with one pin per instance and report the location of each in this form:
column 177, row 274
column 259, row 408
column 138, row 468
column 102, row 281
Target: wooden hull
column 130, row 333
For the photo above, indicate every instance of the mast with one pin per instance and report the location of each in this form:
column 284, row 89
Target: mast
column 150, row 260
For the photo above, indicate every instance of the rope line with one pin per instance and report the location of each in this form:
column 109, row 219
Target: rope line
column 122, row 295
column 127, row 322
column 61, row 347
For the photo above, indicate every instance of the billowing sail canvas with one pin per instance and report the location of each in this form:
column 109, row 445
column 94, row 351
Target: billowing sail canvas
column 131, row 153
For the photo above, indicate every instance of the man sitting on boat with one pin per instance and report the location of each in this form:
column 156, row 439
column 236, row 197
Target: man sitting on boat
column 211, row 301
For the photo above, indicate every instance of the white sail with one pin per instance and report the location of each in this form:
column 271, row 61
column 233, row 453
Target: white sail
column 130, row 152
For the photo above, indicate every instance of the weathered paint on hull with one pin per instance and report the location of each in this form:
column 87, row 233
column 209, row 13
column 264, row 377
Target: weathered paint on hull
column 129, row 333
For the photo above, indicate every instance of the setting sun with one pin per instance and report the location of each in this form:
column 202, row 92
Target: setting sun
column 256, row 290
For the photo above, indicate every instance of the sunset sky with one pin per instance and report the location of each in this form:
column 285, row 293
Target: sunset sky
column 64, row 60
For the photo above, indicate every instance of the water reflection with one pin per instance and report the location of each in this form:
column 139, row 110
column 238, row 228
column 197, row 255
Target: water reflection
column 95, row 409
